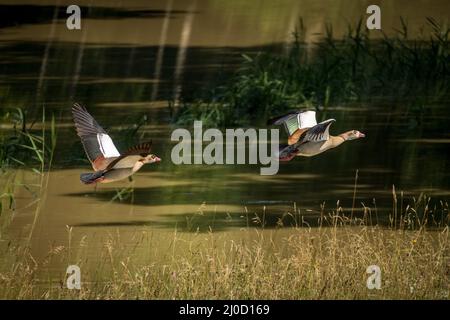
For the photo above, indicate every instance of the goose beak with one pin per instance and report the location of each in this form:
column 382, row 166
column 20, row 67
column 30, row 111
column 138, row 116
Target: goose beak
column 157, row 159
column 361, row 135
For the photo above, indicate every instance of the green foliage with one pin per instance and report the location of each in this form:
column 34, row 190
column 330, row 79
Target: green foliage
column 24, row 146
column 212, row 114
column 331, row 72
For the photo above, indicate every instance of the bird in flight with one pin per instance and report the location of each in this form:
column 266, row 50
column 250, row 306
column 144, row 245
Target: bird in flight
column 109, row 165
column 308, row 138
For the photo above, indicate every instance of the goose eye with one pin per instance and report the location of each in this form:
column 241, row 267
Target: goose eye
column 354, row 131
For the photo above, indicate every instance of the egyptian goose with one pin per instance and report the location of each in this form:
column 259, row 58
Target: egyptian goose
column 307, row 138
column 108, row 163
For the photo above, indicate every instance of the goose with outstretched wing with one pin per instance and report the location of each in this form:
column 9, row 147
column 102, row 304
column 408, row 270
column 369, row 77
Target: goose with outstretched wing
column 308, row 138
column 109, row 165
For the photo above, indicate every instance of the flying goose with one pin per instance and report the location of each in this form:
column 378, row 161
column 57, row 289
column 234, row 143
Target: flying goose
column 308, row 138
column 109, row 165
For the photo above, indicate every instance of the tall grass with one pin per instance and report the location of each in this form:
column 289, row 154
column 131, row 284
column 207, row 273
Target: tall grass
column 333, row 71
column 328, row 261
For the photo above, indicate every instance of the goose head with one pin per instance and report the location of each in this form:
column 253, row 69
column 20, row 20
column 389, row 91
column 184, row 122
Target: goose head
column 150, row 158
column 353, row 135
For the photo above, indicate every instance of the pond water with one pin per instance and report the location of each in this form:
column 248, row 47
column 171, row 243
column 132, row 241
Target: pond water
column 131, row 57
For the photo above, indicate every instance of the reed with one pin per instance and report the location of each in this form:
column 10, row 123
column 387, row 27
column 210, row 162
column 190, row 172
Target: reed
column 25, row 148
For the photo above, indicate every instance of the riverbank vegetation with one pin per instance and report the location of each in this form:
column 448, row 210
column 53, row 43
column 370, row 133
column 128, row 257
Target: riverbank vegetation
column 27, row 146
column 355, row 68
column 324, row 262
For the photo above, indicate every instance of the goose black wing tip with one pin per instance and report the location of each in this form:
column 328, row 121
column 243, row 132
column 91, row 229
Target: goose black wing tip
column 78, row 108
column 329, row 121
column 144, row 147
column 147, row 146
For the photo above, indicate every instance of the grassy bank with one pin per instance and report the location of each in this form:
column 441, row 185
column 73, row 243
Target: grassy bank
column 324, row 263
column 324, row 260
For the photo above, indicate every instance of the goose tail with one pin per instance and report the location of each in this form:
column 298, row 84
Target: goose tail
column 89, row 178
column 287, row 152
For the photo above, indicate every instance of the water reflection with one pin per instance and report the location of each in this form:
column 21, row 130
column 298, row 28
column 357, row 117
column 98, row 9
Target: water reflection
column 161, row 47
column 13, row 15
column 182, row 49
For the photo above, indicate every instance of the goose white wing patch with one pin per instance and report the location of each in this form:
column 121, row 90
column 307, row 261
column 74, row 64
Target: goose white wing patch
column 307, row 119
column 295, row 120
column 96, row 141
column 106, row 145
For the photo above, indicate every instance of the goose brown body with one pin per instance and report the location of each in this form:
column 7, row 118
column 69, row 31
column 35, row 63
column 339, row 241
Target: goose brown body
column 108, row 163
column 307, row 138
column 310, row 149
